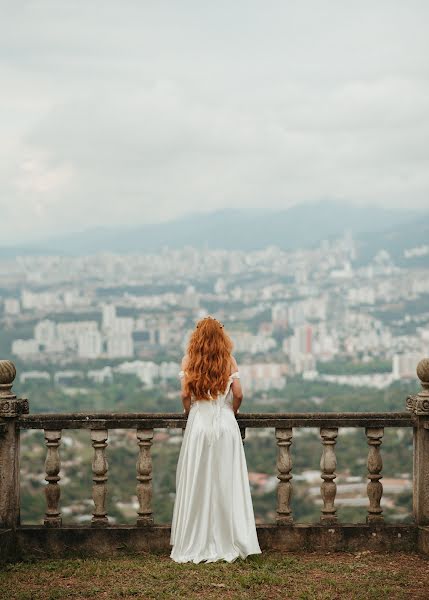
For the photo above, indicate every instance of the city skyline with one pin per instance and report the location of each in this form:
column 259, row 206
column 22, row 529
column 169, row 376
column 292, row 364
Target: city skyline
column 292, row 311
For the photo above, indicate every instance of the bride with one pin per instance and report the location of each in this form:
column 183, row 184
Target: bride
column 213, row 515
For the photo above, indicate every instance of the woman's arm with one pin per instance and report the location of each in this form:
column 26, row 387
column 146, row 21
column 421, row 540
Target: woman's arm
column 237, row 392
column 186, row 400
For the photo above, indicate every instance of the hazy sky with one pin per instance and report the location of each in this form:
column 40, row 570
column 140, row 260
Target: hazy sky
column 118, row 112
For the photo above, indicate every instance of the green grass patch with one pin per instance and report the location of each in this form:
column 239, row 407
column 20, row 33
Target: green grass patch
column 271, row 574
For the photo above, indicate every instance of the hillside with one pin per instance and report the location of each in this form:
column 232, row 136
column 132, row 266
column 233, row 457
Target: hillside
column 298, row 227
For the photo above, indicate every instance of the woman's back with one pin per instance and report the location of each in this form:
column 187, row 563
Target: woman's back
column 213, row 514
column 211, row 418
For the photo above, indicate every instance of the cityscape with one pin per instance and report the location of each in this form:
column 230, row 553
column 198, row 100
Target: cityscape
column 288, row 313
column 313, row 329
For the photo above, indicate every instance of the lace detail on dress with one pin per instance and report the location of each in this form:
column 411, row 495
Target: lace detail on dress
column 226, row 397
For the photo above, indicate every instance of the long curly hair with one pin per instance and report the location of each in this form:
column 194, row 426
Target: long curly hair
column 209, row 360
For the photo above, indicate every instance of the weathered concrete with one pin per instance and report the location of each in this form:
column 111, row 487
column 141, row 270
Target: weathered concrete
column 10, row 408
column 338, row 538
column 7, row 546
column 419, row 407
column 60, row 421
column 43, row 542
column 9, row 476
column 423, row 540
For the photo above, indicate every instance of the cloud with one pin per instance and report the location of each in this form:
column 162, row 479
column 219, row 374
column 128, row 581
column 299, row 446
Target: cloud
column 138, row 112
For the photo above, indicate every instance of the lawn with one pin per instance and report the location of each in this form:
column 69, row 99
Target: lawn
column 270, row 575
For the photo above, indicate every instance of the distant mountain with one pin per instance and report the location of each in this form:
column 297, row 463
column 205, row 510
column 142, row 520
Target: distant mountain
column 395, row 240
column 297, row 227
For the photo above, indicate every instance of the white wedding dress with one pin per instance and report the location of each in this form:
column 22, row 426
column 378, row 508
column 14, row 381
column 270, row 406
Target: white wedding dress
column 213, row 516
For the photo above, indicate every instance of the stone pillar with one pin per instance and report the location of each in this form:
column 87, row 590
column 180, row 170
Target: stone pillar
column 284, row 467
column 419, row 406
column 375, row 465
column 99, row 477
column 52, row 468
column 144, row 477
column 10, row 409
column 328, row 464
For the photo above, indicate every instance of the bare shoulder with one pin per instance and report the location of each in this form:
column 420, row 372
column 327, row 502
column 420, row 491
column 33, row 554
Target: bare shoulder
column 234, row 366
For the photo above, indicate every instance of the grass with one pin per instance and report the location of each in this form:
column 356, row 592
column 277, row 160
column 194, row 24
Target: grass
column 274, row 575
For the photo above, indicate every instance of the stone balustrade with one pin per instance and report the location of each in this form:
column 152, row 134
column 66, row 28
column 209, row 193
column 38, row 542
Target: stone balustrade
column 286, row 534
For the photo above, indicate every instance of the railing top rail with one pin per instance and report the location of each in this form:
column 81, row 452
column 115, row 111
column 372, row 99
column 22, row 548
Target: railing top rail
column 178, row 420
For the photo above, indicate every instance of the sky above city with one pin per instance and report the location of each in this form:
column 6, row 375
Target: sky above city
column 118, row 113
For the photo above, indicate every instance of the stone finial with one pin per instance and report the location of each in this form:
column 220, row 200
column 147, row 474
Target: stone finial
column 419, row 404
column 10, row 405
column 7, row 376
column 423, row 372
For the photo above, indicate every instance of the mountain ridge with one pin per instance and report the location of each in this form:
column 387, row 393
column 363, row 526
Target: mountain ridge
column 234, row 229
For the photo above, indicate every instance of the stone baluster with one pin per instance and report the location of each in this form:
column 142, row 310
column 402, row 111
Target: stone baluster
column 52, row 468
column 99, row 477
column 11, row 408
column 328, row 464
column 375, row 464
column 144, row 477
column 419, row 407
column 284, row 467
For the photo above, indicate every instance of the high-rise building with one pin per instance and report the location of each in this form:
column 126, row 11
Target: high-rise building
column 109, row 316
column 280, row 315
column 89, row 344
column 296, row 314
column 24, row 348
column 45, row 332
column 302, row 340
column 120, row 345
column 12, row 306
column 404, row 365
column 191, row 298
column 262, row 376
column 123, row 325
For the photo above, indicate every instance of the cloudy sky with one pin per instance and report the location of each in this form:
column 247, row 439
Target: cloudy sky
column 141, row 111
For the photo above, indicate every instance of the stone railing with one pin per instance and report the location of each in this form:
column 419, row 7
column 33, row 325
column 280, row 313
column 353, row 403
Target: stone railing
column 17, row 541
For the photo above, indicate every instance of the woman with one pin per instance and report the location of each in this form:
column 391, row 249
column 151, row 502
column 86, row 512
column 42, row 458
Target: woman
column 213, row 515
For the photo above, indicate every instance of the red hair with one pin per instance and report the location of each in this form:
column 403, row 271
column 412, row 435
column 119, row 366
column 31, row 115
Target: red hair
column 209, row 360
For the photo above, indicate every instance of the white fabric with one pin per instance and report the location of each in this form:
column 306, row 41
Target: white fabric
column 213, row 516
